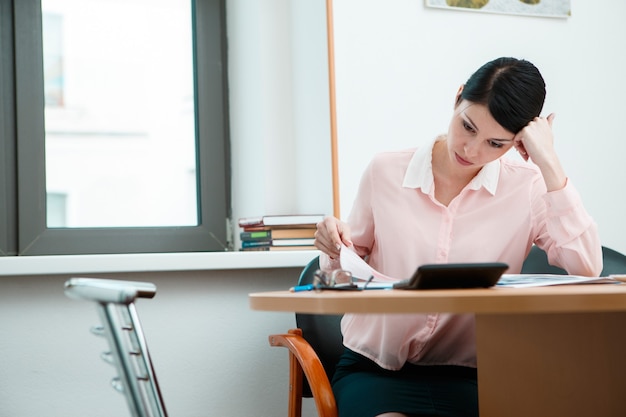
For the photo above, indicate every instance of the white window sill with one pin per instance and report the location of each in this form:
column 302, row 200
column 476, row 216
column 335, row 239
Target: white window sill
column 85, row 264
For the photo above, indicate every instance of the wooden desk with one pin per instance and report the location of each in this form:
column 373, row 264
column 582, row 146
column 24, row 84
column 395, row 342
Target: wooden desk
column 550, row 351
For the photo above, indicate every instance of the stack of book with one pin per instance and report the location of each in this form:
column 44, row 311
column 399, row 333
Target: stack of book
column 279, row 232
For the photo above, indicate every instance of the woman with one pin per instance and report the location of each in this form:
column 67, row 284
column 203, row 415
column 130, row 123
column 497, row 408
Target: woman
column 455, row 200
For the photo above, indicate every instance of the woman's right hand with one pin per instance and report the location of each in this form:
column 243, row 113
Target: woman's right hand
column 331, row 233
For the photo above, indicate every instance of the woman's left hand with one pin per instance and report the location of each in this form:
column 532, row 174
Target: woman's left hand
column 536, row 142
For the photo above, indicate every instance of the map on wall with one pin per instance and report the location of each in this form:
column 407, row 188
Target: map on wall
column 549, row 8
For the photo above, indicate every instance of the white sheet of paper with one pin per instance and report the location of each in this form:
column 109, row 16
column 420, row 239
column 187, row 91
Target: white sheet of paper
column 352, row 262
column 544, row 280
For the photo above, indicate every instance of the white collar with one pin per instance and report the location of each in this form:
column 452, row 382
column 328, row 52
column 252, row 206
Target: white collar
column 419, row 172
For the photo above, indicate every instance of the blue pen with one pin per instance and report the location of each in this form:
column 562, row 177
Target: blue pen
column 299, row 288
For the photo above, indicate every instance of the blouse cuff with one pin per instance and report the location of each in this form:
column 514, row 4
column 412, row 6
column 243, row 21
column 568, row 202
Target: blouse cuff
column 563, row 201
column 568, row 218
column 327, row 264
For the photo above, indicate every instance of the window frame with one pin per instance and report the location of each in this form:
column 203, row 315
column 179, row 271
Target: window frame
column 27, row 137
column 8, row 190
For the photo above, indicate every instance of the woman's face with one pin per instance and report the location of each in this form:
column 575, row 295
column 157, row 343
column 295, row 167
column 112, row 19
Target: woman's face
column 475, row 138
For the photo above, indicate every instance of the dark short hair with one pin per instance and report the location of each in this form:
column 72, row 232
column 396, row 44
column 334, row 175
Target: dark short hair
column 512, row 89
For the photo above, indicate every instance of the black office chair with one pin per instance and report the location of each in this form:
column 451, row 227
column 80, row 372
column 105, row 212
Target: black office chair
column 537, row 263
column 614, row 262
column 129, row 350
column 314, row 348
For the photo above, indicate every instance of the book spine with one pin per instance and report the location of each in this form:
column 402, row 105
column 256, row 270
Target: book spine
column 277, row 248
column 293, row 242
column 293, row 233
column 256, row 235
column 256, row 249
column 255, row 243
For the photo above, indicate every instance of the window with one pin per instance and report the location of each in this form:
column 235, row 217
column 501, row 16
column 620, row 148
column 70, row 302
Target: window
column 115, row 130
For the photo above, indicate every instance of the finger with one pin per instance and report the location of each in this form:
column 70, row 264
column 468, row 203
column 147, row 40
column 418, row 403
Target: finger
column 328, row 236
column 521, row 149
column 325, row 245
column 523, row 153
column 334, row 229
column 323, row 239
column 344, row 233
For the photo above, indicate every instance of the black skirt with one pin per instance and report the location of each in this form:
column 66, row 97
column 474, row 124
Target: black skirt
column 364, row 389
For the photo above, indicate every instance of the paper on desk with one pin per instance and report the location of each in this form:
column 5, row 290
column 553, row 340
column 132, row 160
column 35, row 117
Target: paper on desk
column 544, row 280
column 351, row 261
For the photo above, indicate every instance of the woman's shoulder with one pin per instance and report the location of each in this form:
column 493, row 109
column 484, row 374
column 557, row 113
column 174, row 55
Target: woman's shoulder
column 519, row 168
column 390, row 163
column 393, row 157
column 519, row 174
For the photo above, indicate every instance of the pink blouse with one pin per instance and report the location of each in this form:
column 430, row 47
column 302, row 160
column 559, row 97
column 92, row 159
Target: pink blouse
column 398, row 224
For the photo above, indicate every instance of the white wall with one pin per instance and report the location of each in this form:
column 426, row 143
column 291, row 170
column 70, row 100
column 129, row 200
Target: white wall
column 279, row 107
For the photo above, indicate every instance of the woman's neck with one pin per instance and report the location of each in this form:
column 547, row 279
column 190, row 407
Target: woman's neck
column 446, row 168
column 449, row 179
